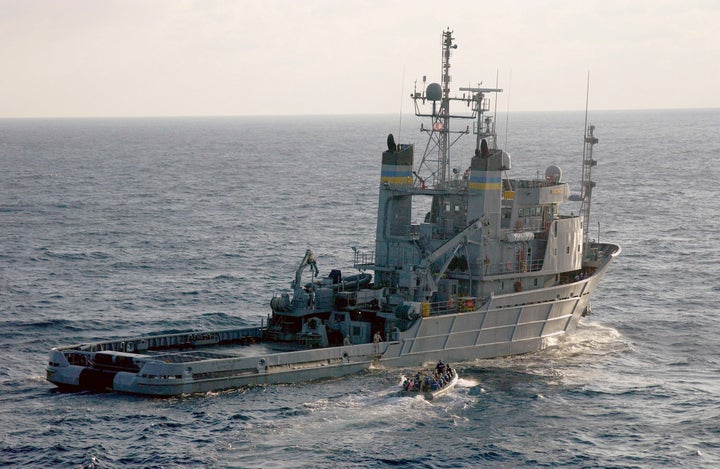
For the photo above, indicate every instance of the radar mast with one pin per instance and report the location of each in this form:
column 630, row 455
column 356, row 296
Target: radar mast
column 587, row 183
column 433, row 170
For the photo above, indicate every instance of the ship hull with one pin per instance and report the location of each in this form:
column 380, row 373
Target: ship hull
column 509, row 324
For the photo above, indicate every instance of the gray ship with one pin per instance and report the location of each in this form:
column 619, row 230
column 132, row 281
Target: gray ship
column 491, row 268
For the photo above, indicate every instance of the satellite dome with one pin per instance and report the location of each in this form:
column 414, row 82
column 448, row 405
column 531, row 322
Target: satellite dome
column 434, row 92
column 553, row 174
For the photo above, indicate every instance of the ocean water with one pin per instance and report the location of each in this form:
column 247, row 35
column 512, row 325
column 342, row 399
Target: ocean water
column 110, row 227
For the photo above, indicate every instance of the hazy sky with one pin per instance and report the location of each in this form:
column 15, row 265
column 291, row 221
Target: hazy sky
column 213, row 57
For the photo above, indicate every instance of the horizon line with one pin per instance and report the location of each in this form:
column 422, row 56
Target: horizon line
column 194, row 116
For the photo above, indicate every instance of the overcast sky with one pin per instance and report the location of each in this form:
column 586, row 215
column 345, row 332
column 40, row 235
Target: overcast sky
column 212, row 57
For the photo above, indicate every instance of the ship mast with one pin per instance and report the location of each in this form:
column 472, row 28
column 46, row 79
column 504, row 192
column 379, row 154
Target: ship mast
column 435, row 164
column 587, row 183
column 443, row 120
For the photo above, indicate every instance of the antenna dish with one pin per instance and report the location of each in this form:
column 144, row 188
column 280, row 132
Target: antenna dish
column 434, row 92
column 553, row 174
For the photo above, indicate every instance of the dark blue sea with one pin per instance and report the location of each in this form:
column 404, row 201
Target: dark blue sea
column 111, row 227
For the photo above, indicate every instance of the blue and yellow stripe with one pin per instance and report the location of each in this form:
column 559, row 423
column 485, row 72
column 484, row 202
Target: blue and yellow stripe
column 483, row 182
column 400, row 176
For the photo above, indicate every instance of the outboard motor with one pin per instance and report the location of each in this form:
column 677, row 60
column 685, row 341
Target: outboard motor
column 336, row 275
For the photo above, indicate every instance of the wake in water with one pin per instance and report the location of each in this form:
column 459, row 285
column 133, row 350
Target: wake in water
column 344, row 420
column 590, row 338
column 572, row 361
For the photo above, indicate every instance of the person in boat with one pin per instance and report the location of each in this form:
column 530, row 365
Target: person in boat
column 440, row 367
column 409, row 385
column 428, row 382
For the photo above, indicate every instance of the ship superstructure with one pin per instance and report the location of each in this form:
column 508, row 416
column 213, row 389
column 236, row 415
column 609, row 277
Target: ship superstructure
column 491, row 268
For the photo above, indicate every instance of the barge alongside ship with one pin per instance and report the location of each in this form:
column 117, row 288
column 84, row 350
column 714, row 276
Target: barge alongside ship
column 491, row 269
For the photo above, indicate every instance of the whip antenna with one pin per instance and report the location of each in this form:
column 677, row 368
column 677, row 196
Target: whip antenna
column 497, row 80
column 402, row 93
column 507, row 112
column 587, row 100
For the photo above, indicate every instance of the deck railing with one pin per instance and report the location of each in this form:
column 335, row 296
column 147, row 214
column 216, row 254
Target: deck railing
column 363, row 260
